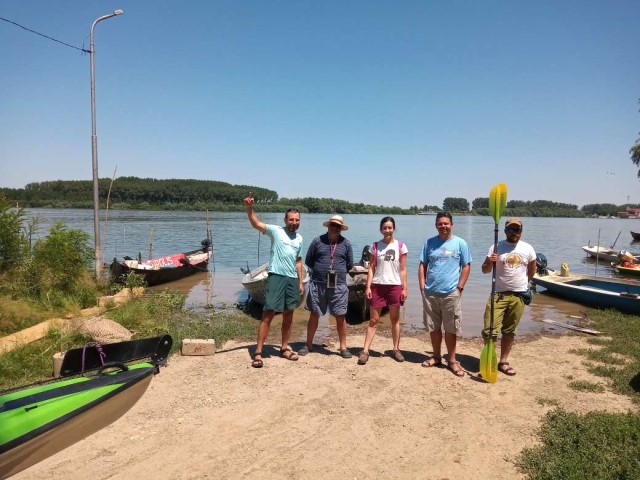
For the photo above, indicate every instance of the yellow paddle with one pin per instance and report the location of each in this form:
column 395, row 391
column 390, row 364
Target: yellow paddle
column 488, row 359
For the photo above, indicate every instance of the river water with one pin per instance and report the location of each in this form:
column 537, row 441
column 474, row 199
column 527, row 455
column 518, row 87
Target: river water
column 236, row 244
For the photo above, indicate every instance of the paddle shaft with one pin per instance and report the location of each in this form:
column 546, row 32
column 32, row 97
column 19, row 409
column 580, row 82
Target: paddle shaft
column 493, row 278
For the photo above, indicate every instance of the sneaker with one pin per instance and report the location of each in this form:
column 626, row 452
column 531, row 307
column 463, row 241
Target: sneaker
column 304, row 351
column 345, row 353
column 397, row 356
column 363, row 358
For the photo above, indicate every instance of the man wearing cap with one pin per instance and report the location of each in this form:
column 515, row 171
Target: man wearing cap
column 330, row 257
column 515, row 263
column 285, row 282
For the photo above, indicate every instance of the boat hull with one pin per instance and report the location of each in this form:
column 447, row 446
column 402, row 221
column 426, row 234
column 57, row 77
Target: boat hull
column 170, row 273
column 597, row 292
column 35, row 431
column 255, row 283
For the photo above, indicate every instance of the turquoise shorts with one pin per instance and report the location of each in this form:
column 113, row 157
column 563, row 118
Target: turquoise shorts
column 507, row 311
column 281, row 294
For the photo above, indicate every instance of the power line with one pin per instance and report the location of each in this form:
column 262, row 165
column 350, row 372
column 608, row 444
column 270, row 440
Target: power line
column 45, row 36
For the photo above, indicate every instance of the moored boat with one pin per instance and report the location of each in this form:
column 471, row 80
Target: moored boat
column 605, row 254
column 628, row 269
column 163, row 269
column 255, row 282
column 599, row 292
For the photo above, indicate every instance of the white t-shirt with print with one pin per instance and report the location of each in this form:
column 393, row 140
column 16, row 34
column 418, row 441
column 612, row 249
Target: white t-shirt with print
column 387, row 267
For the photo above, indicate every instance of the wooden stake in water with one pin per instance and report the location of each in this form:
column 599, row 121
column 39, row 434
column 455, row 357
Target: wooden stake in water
column 595, row 272
column 151, row 244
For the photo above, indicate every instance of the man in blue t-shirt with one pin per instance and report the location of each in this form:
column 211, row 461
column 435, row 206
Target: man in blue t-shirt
column 285, row 282
column 330, row 256
column 445, row 263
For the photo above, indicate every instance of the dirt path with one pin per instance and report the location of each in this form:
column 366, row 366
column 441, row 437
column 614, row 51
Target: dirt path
column 326, row 417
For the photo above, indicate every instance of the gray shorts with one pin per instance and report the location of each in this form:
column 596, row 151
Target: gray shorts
column 320, row 297
column 442, row 312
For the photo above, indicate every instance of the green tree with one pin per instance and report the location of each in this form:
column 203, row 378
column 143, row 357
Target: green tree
column 480, row 202
column 453, row 204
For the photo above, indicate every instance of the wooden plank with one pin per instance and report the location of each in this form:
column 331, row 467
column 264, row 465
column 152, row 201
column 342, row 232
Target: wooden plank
column 572, row 327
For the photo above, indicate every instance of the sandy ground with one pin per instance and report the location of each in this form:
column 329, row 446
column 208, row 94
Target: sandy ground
column 326, row 417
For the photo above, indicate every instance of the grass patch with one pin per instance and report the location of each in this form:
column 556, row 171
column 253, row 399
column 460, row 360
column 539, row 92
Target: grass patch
column 594, row 446
column 586, row 386
column 147, row 316
column 547, row 402
column 621, row 349
column 16, row 315
column 597, row 445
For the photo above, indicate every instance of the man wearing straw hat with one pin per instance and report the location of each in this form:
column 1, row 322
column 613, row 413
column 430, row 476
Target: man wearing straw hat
column 330, row 256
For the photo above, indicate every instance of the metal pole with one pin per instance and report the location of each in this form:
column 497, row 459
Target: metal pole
column 94, row 145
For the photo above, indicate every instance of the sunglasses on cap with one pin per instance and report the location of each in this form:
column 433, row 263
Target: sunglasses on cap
column 513, row 229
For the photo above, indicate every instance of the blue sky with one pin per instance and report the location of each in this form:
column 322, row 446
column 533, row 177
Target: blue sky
column 382, row 102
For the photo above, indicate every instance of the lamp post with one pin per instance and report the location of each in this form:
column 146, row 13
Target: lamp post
column 94, row 144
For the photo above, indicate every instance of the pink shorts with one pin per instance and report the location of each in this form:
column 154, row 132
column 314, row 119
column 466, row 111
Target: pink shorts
column 385, row 295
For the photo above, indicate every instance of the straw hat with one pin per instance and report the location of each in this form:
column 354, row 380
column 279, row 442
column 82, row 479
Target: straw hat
column 337, row 219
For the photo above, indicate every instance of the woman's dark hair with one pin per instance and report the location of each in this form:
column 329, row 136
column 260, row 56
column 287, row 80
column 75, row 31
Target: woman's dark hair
column 444, row 214
column 387, row 219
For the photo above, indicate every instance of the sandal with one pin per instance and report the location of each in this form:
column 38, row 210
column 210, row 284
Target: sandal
column 434, row 361
column 507, row 369
column 257, row 362
column 397, row 356
column 454, row 367
column 363, row 358
column 288, row 354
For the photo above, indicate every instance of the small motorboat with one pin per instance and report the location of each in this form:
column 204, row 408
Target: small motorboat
column 599, row 292
column 255, row 282
column 635, row 236
column 163, row 269
column 42, row 419
column 604, row 254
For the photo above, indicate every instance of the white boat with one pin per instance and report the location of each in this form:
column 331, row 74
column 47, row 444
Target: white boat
column 255, row 282
column 605, row 254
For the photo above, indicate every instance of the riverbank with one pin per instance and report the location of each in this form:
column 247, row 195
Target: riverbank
column 324, row 416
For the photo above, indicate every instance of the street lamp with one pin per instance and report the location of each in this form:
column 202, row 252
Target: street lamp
column 94, row 144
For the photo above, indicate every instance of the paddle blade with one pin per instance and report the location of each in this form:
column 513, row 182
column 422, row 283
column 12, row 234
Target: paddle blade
column 498, row 201
column 489, row 363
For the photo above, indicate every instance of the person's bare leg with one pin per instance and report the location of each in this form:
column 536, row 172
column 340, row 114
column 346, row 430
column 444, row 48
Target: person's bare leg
column 341, row 325
column 312, row 327
column 372, row 328
column 450, row 340
column 394, row 315
column 506, row 342
column 287, row 323
column 436, row 342
column 263, row 331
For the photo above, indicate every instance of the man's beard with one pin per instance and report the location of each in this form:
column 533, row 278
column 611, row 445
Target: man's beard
column 292, row 228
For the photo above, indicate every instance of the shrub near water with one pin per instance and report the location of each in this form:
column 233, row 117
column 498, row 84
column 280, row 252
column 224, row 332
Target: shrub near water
column 58, row 271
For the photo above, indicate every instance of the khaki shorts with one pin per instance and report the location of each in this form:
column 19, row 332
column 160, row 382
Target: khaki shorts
column 442, row 312
column 507, row 311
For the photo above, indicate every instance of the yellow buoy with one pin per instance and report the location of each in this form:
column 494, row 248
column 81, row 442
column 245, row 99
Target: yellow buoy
column 564, row 270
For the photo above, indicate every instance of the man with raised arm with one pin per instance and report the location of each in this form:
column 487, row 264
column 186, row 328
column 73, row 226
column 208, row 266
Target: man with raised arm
column 285, row 281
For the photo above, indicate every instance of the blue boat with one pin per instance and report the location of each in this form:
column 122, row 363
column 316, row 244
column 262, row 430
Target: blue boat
column 598, row 292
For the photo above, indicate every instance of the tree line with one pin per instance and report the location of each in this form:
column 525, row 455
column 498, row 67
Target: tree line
column 199, row 195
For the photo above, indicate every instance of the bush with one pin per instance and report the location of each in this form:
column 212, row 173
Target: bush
column 13, row 244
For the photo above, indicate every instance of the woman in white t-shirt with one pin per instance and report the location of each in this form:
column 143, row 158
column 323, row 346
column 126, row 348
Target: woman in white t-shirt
column 386, row 286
